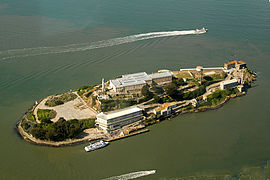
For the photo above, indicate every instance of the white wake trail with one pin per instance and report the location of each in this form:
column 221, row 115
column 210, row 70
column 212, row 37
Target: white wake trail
column 133, row 175
column 17, row 53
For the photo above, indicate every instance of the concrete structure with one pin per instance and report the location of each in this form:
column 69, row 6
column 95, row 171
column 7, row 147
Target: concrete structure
column 165, row 109
column 124, row 133
column 103, row 85
column 135, row 82
column 117, row 119
column 235, row 64
column 228, row 83
column 199, row 70
column 194, row 102
column 240, row 88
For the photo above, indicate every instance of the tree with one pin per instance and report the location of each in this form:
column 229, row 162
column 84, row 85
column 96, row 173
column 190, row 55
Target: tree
column 145, row 92
column 171, row 90
column 157, row 98
column 181, row 82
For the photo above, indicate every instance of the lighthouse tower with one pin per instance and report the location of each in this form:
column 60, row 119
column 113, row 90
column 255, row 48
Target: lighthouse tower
column 103, row 85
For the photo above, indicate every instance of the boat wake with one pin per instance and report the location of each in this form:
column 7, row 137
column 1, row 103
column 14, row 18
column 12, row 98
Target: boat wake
column 133, row 175
column 26, row 52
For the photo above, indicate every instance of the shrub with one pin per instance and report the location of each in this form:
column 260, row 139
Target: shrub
column 193, row 94
column 61, row 129
column 45, row 115
column 31, row 117
column 172, row 91
column 58, row 100
column 110, row 105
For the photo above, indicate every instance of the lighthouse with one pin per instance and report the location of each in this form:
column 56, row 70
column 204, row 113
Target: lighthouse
column 103, row 85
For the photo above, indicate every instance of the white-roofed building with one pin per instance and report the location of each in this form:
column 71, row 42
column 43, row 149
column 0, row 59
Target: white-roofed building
column 135, row 82
column 228, row 83
column 118, row 119
column 162, row 77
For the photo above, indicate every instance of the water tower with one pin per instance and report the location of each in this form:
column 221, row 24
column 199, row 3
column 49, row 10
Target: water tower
column 199, row 70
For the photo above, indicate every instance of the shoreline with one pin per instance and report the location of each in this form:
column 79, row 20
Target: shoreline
column 71, row 142
column 199, row 96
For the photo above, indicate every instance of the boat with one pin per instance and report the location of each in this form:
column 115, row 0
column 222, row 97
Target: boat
column 203, row 30
column 95, row 146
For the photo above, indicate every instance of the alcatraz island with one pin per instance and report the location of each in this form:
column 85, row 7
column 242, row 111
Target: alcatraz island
column 125, row 106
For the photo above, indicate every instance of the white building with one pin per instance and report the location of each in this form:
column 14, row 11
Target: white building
column 228, row 83
column 165, row 109
column 135, row 82
column 194, row 102
column 118, row 119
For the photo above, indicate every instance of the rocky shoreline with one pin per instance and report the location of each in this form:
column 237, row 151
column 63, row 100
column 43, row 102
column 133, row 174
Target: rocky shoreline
column 85, row 139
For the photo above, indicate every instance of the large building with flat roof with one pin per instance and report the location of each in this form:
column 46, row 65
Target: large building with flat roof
column 228, row 83
column 135, row 82
column 117, row 119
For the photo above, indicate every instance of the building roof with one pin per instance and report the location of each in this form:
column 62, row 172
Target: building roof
column 160, row 75
column 231, row 62
column 241, row 62
column 229, row 81
column 119, row 113
column 137, row 78
column 164, row 106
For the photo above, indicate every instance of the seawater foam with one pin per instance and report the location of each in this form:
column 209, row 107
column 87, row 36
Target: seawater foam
column 133, row 175
column 17, row 53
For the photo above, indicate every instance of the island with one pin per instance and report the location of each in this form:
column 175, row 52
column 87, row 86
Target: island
column 125, row 106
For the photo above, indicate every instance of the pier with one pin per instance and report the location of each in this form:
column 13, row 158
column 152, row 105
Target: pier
column 131, row 134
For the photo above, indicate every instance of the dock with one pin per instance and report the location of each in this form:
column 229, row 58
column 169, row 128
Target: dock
column 131, row 134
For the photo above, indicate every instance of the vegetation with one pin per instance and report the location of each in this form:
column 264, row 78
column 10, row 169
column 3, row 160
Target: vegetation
column 146, row 93
column 193, row 94
column 27, row 125
column 250, row 71
column 61, row 129
column 84, row 89
column 218, row 96
column 110, row 105
column 61, row 99
column 45, row 115
column 31, row 117
column 157, row 89
column 171, row 90
column 187, row 107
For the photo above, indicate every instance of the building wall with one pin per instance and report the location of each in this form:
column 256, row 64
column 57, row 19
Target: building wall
column 137, row 87
column 229, row 66
column 118, row 122
column 225, row 86
column 163, row 80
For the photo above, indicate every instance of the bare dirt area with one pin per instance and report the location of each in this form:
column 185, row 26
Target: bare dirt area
column 75, row 109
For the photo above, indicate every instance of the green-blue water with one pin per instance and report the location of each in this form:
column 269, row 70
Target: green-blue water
column 224, row 140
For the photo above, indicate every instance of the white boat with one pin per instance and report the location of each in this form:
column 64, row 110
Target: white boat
column 201, row 31
column 97, row 145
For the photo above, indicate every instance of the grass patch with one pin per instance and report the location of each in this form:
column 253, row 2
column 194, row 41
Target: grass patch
column 61, row 99
column 45, row 115
column 183, row 75
column 31, row 117
column 84, row 89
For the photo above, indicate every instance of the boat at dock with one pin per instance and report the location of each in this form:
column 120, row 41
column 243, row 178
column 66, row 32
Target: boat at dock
column 201, row 31
column 95, row 146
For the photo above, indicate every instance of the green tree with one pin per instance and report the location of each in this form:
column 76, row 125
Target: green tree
column 156, row 98
column 146, row 93
column 171, row 90
column 181, row 82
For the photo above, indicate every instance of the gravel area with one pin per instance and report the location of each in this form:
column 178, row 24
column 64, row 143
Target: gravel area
column 75, row 109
